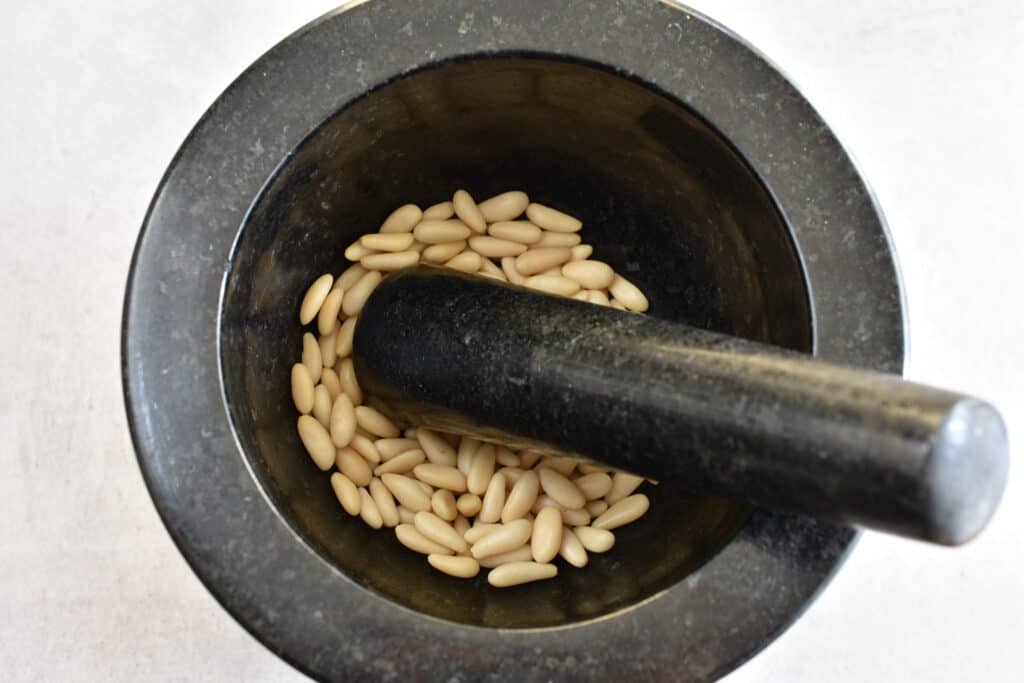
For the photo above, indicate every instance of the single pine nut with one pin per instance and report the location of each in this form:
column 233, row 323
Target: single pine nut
column 402, row 219
column 508, row 266
column 349, row 277
column 590, row 274
column 547, row 535
column 581, row 252
column 311, row 356
column 561, row 464
column 443, row 505
column 317, row 441
column 409, row 536
column 461, row 524
column 572, row 550
column 389, row 448
column 330, row 380
column 487, row 267
column 627, row 510
column 441, row 476
column 505, row 456
column 590, row 468
column 303, row 392
column 528, row 458
column 328, row 345
column 623, row 484
column 385, row 503
column 327, row 317
column 511, row 475
column 468, row 212
column 467, row 447
column 539, row 259
column 461, row 567
column 376, row 423
column 552, row 219
column 595, row 485
column 343, row 347
column 356, row 251
column 439, row 531
column 352, row 465
column 343, row 421
column 314, row 297
column 468, row 504
column 629, row 294
column 553, row 284
column 406, row 492
column 467, row 262
column 406, row 516
column 504, row 207
column 347, row 493
column 596, row 507
column 598, row 297
column 322, row 405
column 439, row 232
column 437, row 449
column 396, row 241
column 478, row 531
column 391, row 261
column 522, row 497
column 368, row 510
column 356, row 297
column 494, row 499
column 439, row 212
column 439, row 253
column 348, row 382
column 523, row 232
column 509, row 537
column 492, row 247
column 516, row 573
column 558, row 239
column 400, row 464
column 595, row 540
column 481, row 469
column 561, row 489
column 575, row 517
column 520, row 554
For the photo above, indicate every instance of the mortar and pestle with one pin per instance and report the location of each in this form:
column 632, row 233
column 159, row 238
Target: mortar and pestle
column 700, row 173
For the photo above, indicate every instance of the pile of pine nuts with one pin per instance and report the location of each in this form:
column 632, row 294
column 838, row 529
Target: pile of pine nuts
column 463, row 503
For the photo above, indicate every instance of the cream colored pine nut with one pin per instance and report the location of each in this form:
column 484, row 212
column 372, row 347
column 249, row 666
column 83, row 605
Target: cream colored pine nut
column 329, row 379
column 437, row 449
column 538, row 259
column 571, row 550
column 461, row 524
column 439, row 531
column 409, row 536
column 396, row 241
column 461, row 567
column 493, row 247
column 406, row 492
column 356, row 297
column 520, row 554
column 356, row 251
column 327, row 317
column 400, row 464
column 406, row 516
column 441, row 211
column 508, row 266
column 552, row 219
column 350, row 277
column 441, row 476
column 528, row 458
column 546, row 538
column 311, row 357
column 314, row 297
column 439, row 253
column 402, row 219
column 517, row 573
column 595, row 540
column 596, row 507
column 368, row 510
column 442, row 502
column 391, row 261
column 509, row 537
column 575, row 517
column 494, row 499
column 553, row 284
column 629, row 509
column 505, row 456
column 303, row 392
column 389, row 448
column 467, row 262
column 523, row 232
column 582, row 252
column 468, row 212
column 467, row 448
column 376, row 423
column 504, row 207
column 439, row 232
column 343, row 421
column 629, row 294
column 487, row 267
column 481, row 469
column 558, row 239
column 348, row 382
column 346, row 493
column 544, row 501
column 511, row 475
column 385, row 503
column 561, row 489
column 425, row 487
column 598, row 297
column 322, row 405
column 560, row 464
column 478, row 531
column 352, row 465
column 522, row 497
column 363, row 445
column 317, row 441
column 590, row 274
column 468, row 504
column 328, row 345
column 343, row 347
column 623, row 484
column 595, row 485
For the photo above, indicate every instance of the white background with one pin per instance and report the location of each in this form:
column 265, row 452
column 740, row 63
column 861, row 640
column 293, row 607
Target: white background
column 96, row 97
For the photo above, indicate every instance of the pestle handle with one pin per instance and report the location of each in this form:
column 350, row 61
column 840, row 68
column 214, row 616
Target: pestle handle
column 725, row 416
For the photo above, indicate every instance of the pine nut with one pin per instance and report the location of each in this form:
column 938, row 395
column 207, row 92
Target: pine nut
column 376, row 423
column 327, row 317
column 581, row 296
column 467, row 211
column 409, row 536
column 389, row 448
column 595, row 485
column 590, row 468
column 596, row 507
column 385, row 502
column 506, row 456
column 516, row 573
column 553, row 284
column 391, row 261
column 322, row 405
column 617, row 304
column 468, row 504
column 598, row 297
column 623, row 484
column 329, row 378
column 439, row 232
column 523, row 232
column 508, row 266
column 441, row 476
column 406, row 492
column 356, row 297
column 627, row 510
column 317, row 441
column 348, row 382
column 343, row 421
column 528, row 458
column 539, row 259
column 504, row 207
column 311, row 357
column 343, row 346
column 467, row 448
column 303, row 392
column 467, row 262
column 511, row 475
column 352, row 465
column 589, row 274
column 346, row 493
column 441, row 211
column 314, row 297
column 629, row 294
column 520, row 554
column 493, row 247
column 595, row 540
column 558, row 239
column 552, row 219
column 368, row 510
column 461, row 567
column 481, row 469
column 396, row 241
column 571, row 550
column 350, row 277
column 521, row 498
column 461, row 524
column 328, row 345
column 561, row 489
column 443, row 505
column 400, row 464
column 356, row 251
column 402, row 219
column 439, row 531
column 575, row 517
column 508, row 537
column 494, row 499
column 488, row 268
column 561, row 464
column 437, row 449
column 439, row 253
column 478, row 531
column 547, row 535
column 582, row 252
